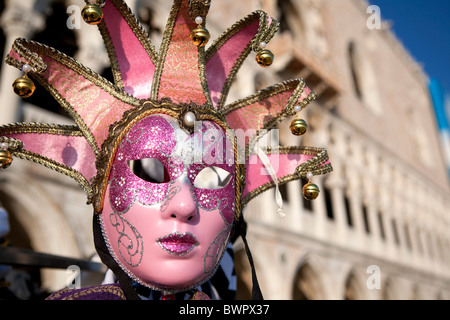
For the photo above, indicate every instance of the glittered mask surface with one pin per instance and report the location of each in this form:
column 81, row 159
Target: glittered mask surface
column 170, row 202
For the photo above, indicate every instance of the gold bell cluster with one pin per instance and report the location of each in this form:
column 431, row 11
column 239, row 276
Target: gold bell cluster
column 200, row 35
column 5, row 156
column 92, row 13
column 23, row 86
column 299, row 127
column 310, row 190
column 264, row 57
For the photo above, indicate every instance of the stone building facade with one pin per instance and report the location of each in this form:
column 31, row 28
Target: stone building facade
column 379, row 228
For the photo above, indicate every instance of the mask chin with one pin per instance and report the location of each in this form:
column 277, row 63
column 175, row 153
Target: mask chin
column 167, row 223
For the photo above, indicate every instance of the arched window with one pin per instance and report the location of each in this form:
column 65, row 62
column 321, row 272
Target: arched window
column 353, row 68
column 418, row 137
column 308, row 284
column 364, row 78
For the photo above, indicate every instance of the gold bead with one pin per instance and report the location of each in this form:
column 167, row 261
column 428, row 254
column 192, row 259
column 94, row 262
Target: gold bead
column 24, row 87
column 298, row 127
column 5, row 158
column 310, row 191
column 92, row 14
column 200, row 36
column 264, row 58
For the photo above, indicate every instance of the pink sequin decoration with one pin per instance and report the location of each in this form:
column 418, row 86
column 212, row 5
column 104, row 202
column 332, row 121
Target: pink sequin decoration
column 152, row 137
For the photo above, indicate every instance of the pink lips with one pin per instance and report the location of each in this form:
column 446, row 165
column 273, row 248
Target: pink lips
column 177, row 243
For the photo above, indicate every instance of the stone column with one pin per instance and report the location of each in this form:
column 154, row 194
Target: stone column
column 372, row 210
column 354, row 195
column 337, row 180
column 336, row 184
column 320, row 211
column 18, row 20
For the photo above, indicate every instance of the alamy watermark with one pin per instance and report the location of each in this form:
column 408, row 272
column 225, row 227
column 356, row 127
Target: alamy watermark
column 74, row 20
column 74, row 279
column 374, row 20
column 374, row 280
column 211, row 145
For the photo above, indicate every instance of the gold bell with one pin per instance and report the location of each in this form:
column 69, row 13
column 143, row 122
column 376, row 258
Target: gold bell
column 310, row 191
column 298, row 127
column 92, row 14
column 23, row 86
column 200, row 36
column 5, row 158
column 265, row 58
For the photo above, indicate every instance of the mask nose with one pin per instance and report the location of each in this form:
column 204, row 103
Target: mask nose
column 180, row 202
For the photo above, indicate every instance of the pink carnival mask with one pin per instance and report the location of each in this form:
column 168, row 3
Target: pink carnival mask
column 170, row 202
column 166, row 189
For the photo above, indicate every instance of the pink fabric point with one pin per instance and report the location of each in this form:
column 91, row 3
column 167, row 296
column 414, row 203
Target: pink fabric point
column 97, row 108
column 180, row 79
column 136, row 67
column 72, row 151
column 283, row 164
column 219, row 66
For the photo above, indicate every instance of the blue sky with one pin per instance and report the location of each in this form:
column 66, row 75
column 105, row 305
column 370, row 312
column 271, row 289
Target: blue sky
column 423, row 26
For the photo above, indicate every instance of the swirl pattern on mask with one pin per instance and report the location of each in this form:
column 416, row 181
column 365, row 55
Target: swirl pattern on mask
column 130, row 242
column 215, row 251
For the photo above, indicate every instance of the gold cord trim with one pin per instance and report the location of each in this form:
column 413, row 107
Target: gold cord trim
column 13, row 144
column 298, row 84
column 111, row 289
column 35, row 127
column 199, row 8
column 167, row 36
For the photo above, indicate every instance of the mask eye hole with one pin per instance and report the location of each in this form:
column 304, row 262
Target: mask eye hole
column 150, row 170
column 212, row 178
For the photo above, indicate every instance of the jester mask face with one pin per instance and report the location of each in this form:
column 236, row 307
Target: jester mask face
column 169, row 204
